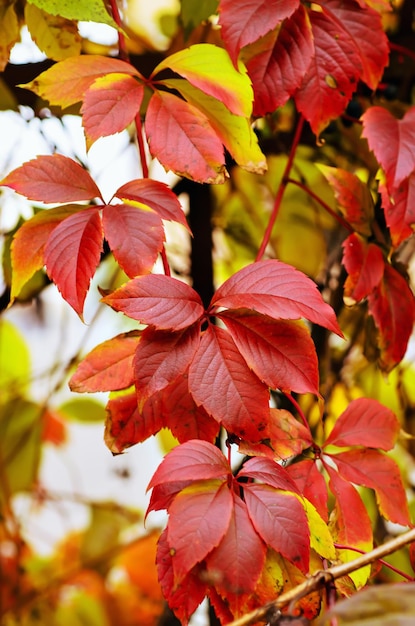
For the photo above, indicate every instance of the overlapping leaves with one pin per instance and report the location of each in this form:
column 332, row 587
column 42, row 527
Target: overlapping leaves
column 315, row 52
column 68, row 239
column 263, row 345
column 187, row 134
column 231, row 520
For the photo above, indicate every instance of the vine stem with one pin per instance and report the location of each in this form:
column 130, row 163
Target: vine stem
column 325, row 206
column 294, row 402
column 281, row 189
column 322, row 578
column 123, row 53
column 382, row 561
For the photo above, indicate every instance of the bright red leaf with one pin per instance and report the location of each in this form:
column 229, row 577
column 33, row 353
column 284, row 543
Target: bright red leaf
column 286, row 437
column 161, row 357
column 252, row 20
column 183, row 417
column 278, row 290
column 392, row 306
column 181, row 137
column 236, row 564
column 110, row 104
column 281, row 353
column 72, row 254
column 135, row 237
column 278, row 70
column 194, row 460
column 52, row 178
column 311, row 484
column 109, row 366
column 183, row 599
column 364, row 264
column 221, row 381
column 155, row 195
column 392, row 141
column 367, row 423
column 29, row 242
column 353, row 522
column 280, row 520
column 199, row 517
column 157, row 300
column 399, row 208
column 374, row 469
column 268, row 472
column 333, row 73
column 125, row 425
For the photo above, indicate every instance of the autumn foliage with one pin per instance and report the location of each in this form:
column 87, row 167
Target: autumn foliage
column 281, row 441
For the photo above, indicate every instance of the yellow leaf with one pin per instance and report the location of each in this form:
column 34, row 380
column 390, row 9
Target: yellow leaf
column 9, row 33
column 56, row 36
column 320, row 537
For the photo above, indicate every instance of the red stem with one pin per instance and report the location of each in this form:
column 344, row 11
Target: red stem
column 339, row 546
column 323, row 204
column 402, row 50
column 281, row 189
column 123, row 53
column 299, row 410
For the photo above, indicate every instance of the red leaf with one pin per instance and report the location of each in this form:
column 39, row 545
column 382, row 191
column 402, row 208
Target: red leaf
column 353, row 522
column 193, row 460
column 155, row 195
column 163, row 495
column 135, row 237
column 52, row 178
column 278, row 290
column 364, row 27
column 280, row 520
column 281, row 353
column 277, row 72
column 29, row 242
column 108, row 367
column 161, row 301
column 374, row 469
column 394, row 144
column 199, row 518
column 161, row 357
column 367, row 423
column 236, row 564
column 181, row 137
column 110, row 105
column 287, row 437
column 311, row 484
column 353, row 198
column 399, row 207
column 66, row 82
column 125, row 426
column 393, row 308
column 221, row 381
column 333, row 73
column 268, row 472
column 183, row 417
column 364, row 264
column 72, row 254
column 184, row 598
column 252, row 20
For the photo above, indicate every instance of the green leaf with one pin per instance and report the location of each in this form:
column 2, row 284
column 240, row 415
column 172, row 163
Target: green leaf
column 20, row 446
column 83, row 410
column 14, row 362
column 192, row 14
column 82, row 10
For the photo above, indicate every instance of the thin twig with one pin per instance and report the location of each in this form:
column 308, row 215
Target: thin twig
column 321, row 578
